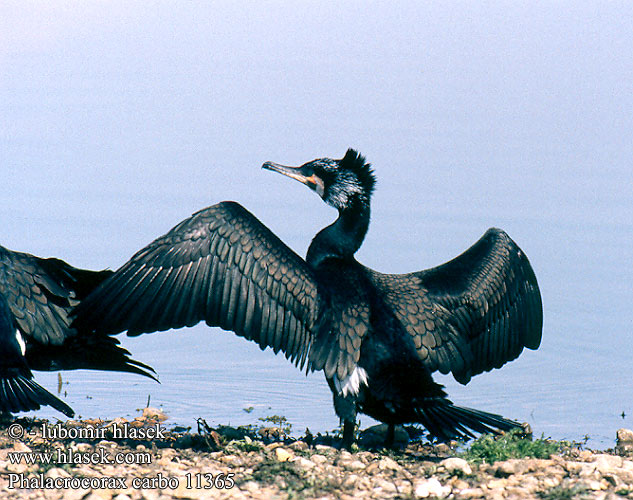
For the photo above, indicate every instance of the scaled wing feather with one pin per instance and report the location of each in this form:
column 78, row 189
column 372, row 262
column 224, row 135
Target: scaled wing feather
column 474, row 313
column 221, row 265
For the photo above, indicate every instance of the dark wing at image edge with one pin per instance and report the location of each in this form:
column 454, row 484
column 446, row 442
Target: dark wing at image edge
column 19, row 392
column 223, row 266
column 40, row 293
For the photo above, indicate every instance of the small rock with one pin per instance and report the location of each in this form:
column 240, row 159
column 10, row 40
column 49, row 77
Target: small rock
column 595, row 485
column 350, row 481
column 456, row 464
column 271, row 433
column 304, row 463
column 83, row 447
column 250, row 486
column 318, row 459
column 282, row 454
column 321, row 448
column 190, row 493
column 509, row 467
column 588, row 471
column 459, row 484
column 21, row 447
column 230, row 459
column 106, row 444
column 442, row 449
column 624, row 444
column 299, row 446
column 612, row 479
column 353, row 465
column 150, row 413
column 150, row 494
column 272, row 446
column 386, row 487
column 551, row 481
column 56, row 472
column 497, row 484
column 376, row 436
column 431, row 487
column 387, row 463
column 373, row 468
column 605, row 463
column 624, row 435
column 585, row 455
column 471, row 493
column 345, row 455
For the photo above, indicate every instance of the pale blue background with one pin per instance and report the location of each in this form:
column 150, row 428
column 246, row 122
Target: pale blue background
column 119, row 119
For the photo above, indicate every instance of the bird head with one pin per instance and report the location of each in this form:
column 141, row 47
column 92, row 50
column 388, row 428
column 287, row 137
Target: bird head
column 337, row 182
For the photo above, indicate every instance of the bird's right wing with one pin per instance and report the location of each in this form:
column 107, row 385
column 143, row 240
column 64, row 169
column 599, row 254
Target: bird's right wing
column 223, row 266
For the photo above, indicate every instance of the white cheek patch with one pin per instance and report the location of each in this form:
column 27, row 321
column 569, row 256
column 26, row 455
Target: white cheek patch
column 319, row 186
column 22, row 344
column 352, row 383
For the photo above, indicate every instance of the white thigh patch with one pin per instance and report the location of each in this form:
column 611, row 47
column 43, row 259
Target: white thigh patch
column 22, row 344
column 351, row 384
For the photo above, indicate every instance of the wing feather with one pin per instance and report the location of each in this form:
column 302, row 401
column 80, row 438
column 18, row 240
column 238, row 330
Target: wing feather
column 474, row 313
column 222, row 266
column 40, row 293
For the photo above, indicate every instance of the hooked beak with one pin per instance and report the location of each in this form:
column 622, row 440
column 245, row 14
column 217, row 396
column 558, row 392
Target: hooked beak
column 312, row 181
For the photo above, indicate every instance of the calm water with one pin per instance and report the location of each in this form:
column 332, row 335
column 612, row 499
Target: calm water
column 116, row 124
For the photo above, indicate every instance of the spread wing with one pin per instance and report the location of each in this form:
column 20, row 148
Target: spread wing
column 223, row 266
column 474, row 313
column 40, row 294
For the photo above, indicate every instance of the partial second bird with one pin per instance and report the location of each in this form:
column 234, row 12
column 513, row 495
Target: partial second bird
column 36, row 296
column 377, row 337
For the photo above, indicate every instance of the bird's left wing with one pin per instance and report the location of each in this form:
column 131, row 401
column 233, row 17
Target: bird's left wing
column 473, row 313
column 223, row 266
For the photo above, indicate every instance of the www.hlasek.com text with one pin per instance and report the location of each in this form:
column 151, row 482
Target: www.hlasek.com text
column 70, row 456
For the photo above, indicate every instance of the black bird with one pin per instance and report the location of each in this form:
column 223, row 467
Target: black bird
column 378, row 337
column 36, row 296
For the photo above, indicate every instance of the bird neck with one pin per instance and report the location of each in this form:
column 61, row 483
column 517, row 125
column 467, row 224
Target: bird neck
column 341, row 239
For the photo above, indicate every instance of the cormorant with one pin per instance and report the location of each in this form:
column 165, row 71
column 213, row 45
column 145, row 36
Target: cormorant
column 36, row 296
column 378, row 337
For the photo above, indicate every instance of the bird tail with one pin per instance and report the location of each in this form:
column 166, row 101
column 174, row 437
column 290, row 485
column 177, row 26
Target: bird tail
column 91, row 352
column 447, row 421
column 21, row 393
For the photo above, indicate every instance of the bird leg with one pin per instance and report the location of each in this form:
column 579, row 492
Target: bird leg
column 391, row 432
column 348, row 434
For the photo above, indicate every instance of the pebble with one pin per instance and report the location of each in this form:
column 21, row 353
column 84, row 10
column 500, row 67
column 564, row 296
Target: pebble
column 353, row 465
column 282, row 454
column 624, row 436
column 456, row 464
column 431, row 488
column 299, row 446
column 319, row 459
column 304, row 463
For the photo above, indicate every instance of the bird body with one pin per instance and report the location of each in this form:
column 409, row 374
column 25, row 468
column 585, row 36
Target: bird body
column 377, row 337
column 36, row 296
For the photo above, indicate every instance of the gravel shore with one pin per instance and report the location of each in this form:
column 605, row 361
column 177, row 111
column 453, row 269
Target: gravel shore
column 140, row 459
